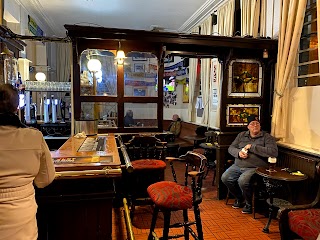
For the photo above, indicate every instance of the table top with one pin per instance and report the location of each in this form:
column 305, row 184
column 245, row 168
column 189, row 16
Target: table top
column 279, row 174
column 194, row 137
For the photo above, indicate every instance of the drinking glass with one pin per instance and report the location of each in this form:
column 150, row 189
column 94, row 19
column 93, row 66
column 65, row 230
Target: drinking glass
column 272, row 163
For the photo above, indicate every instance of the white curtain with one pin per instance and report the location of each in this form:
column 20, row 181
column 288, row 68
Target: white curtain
column 250, row 14
column 263, row 18
column 193, row 62
column 64, row 60
column 206, row 29
column 292, row 17
column 226, row 19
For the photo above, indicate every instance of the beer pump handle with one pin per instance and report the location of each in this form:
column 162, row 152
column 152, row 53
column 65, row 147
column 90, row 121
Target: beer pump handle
column 63, row 110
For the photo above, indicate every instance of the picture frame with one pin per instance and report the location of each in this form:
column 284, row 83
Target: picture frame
column 139, row 67
column 139, row 59
column 237, row 113
column 139, row 91
column 245, row 78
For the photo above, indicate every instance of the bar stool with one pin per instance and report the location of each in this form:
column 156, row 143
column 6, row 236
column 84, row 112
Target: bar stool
column 146, row 154
column 170, row 196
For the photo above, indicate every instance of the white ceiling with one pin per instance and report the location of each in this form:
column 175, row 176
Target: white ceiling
column 172, row 15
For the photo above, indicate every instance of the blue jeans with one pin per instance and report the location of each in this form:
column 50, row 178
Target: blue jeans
column 238, row 181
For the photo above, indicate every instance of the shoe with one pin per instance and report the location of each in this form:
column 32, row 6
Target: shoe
column 238, row 203
column 247, row 209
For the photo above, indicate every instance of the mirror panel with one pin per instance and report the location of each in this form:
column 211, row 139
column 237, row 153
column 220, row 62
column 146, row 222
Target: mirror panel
column 140, row 75
column 98, row 73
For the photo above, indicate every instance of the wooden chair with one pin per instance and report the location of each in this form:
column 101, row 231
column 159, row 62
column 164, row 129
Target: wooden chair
column 209, row 150
column 147, row 158
column 301, row 221
column 169, row 196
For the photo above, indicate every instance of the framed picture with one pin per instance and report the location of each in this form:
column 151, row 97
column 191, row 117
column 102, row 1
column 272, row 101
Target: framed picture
column 168, row 59
column 138, row 67
column 185, row 92
column 139, row 92
column 245, row 78
column 139, row 59
column 237, row 113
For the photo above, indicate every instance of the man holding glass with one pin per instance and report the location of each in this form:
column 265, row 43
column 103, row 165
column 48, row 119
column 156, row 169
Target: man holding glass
column 251, row 149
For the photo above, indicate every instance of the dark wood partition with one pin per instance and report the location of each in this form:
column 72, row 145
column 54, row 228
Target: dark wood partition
column 229, row 50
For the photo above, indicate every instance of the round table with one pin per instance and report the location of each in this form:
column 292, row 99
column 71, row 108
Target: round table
column 273, row 180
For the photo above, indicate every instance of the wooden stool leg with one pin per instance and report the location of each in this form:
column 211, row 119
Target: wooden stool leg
column 153, row 222
column 185, row 219
column 167, row 215
column 198, row 221
column 227, row 197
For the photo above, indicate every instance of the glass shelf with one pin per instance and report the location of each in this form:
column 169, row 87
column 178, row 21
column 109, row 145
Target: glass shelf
column 47, row 86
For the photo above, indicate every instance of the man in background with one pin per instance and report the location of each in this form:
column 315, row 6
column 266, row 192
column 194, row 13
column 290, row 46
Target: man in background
column 175, row 125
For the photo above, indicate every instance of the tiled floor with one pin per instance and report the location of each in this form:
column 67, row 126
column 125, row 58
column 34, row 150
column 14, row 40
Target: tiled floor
column 219, row 221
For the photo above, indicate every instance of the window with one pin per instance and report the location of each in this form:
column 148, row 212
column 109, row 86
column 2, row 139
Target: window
column 308, row 66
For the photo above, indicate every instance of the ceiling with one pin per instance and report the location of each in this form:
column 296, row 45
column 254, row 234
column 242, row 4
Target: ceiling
column 172, row 15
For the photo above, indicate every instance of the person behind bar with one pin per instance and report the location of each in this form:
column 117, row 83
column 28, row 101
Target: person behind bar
column 25, row 161
column 128, row 119
column 175, row 125
column 251, row 149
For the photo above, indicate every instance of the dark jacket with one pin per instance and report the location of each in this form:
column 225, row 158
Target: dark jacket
column 262, row 147
column 175, row 127
column 128, row 121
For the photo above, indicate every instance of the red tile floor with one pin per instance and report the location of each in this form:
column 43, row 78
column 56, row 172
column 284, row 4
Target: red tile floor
column 219, row 221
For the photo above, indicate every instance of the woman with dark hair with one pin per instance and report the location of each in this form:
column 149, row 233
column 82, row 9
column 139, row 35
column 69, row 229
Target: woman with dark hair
column 25, row 161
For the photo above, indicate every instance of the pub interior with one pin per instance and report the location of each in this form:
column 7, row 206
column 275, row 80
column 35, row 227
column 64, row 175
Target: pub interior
column 104, row 97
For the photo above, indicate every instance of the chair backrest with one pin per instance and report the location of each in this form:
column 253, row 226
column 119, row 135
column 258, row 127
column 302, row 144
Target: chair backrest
column 145, row 147
column 211, row 137
column 195, row 169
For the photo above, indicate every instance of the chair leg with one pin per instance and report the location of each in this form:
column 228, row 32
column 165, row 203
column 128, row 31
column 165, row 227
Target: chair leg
column 153, row 222
column 167, row 215
column 198, row 221
column 185, row 219
column 253, row 205
column 227, row 197
column 214, row 176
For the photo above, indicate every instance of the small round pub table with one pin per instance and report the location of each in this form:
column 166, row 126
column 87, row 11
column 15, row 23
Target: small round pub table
column 273, row 180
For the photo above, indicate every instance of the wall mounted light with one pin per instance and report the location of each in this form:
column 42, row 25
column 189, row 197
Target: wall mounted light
column 265, row 53
column 40, row 76
column 120, row 55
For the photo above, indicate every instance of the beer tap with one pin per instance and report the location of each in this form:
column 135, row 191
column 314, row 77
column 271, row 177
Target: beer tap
column 63, row 110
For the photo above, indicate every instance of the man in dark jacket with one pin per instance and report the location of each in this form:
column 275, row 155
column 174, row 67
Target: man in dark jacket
column 175, row 125
column 251, row 149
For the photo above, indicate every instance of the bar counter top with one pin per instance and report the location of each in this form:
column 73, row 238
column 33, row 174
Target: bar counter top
column 69, row 160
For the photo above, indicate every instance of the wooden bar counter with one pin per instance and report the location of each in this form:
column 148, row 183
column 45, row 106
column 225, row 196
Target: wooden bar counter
column 78, row 204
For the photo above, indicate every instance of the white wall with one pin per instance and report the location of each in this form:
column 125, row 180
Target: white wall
column 304, row 117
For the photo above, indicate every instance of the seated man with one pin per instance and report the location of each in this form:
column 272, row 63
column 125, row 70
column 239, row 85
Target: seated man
column 128, row 119
column 175, row 125
column 251, row 149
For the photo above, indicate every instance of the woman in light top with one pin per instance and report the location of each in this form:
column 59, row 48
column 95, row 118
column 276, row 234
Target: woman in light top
column 25, row 161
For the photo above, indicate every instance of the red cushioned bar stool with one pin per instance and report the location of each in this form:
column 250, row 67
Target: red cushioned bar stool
column 169, row 196
column 146, row 153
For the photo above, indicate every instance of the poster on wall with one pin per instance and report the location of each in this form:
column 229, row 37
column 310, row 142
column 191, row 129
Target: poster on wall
column 185, row 92
column 214, row 85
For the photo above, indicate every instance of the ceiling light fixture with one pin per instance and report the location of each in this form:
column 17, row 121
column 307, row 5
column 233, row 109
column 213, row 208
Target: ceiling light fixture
column 120, row 55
